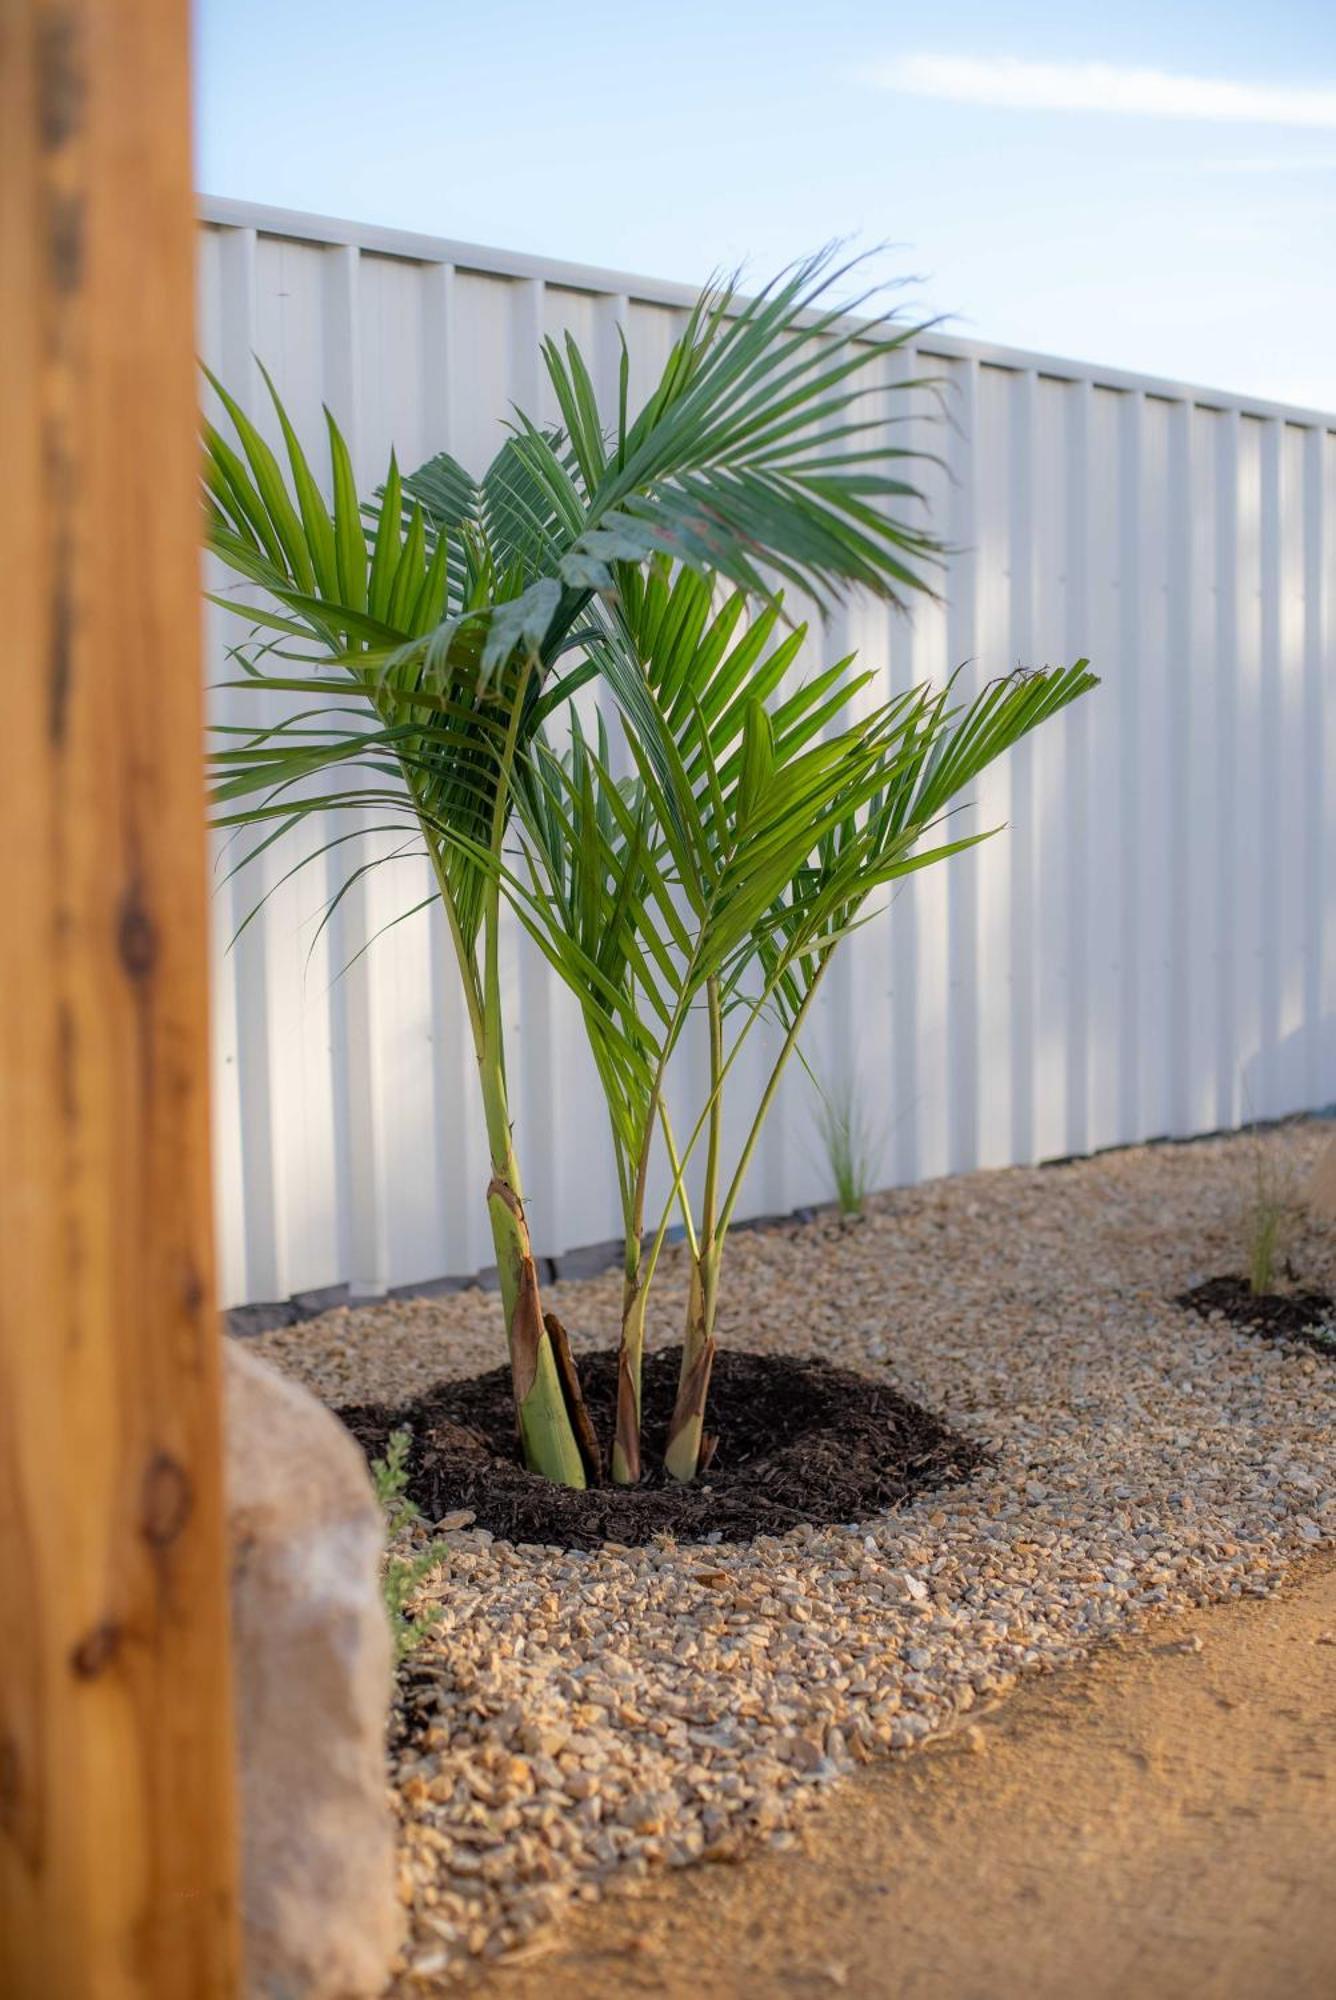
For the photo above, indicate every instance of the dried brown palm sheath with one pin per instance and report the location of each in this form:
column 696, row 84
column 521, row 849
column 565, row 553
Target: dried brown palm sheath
column 581, row 1422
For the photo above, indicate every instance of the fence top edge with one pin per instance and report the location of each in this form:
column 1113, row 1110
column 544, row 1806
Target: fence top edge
column 223, row 212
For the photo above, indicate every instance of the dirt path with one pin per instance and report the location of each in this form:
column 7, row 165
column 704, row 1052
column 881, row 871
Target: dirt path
column 1158, row 1824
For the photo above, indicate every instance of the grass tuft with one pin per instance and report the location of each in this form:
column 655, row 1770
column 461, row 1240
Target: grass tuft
column 1269, row 1218
column 852, row 1143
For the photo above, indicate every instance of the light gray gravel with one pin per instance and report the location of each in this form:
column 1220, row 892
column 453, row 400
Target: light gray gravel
column 590, row 1716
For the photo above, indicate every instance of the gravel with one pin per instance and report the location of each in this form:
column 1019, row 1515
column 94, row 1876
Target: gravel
column 583, row 1717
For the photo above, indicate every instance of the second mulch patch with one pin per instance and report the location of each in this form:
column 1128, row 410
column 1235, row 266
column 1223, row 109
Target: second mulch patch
column 799, row 1441
column 1302, row 1316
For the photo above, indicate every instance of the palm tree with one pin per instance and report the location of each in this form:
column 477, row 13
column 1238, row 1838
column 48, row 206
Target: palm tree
column 881, row 821
column 629, row 913
column 720, row 879
column 433, row 628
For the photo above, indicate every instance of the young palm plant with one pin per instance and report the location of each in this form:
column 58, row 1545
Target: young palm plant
column 609, row 892
column 420, row 639
column 926, row 753
column 720, row 879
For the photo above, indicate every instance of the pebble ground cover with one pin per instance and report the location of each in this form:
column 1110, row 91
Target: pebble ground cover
column 577, row 1718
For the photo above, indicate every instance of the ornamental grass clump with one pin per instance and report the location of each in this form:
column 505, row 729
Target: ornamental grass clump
column 417, row 642
column 1270, row 1218
column 852, row 1143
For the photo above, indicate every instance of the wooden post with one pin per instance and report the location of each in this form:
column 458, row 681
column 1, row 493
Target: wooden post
column 117, row 1872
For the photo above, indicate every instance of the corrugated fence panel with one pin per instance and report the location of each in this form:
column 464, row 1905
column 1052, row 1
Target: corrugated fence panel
column 1148, row 950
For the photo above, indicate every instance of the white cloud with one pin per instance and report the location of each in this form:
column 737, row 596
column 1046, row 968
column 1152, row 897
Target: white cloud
column 1148, row 93
column 1283, row 163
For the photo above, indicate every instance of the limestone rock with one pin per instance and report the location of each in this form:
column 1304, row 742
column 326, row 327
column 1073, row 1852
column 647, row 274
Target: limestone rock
column 311, row 1650
column 1320, row 1194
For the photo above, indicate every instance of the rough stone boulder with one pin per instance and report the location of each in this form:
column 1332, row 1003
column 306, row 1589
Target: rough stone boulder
column 311, row 1652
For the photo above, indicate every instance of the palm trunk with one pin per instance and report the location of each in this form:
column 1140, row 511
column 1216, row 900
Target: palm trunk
column 686, row 1435
column 687, row 1431
column 546, row 1432
column 630, row 1364
column 635, row 1298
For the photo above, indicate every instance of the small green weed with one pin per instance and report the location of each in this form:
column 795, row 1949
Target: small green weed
column 405, row 1566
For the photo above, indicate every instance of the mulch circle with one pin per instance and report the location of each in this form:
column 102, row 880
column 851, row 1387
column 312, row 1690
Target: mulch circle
column 1301, row 1316
column 799, row 1441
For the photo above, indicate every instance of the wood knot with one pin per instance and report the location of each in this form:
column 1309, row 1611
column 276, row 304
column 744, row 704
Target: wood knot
column 167, row 1500
column 60, row 656
column 136, row 935
column 192, row 1290
column 60, row 77
column 65, row 241
column 9, row 1782
column 96, row 1650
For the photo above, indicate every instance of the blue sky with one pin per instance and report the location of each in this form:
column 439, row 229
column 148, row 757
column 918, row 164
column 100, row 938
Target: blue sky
column 1147, row 185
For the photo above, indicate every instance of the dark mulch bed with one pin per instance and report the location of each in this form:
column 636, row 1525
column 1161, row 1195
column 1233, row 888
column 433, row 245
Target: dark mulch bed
column 798, row 1441
column 1301, row 1316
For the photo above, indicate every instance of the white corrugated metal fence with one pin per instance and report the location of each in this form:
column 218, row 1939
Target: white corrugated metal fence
column 1147, row 950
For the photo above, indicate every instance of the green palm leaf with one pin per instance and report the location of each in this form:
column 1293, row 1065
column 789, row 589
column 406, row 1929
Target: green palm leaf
column 420, row 642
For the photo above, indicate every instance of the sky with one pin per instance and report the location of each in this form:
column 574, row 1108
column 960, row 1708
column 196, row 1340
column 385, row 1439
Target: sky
column 1149, row 186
